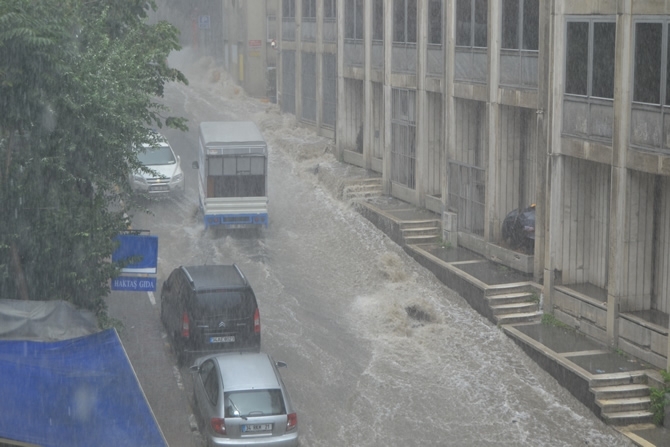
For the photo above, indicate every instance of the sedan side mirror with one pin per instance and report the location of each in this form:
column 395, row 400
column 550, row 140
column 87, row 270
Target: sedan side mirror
column 195, row 165
column 281, row 364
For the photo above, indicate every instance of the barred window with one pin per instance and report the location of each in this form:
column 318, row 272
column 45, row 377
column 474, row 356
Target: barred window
column 354, row 20
column 589, row 63
column 520, row 24
column 404, row 21
column 472, row 23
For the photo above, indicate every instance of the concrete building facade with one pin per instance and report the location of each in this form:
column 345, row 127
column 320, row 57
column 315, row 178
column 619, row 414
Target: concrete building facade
column 474, row 108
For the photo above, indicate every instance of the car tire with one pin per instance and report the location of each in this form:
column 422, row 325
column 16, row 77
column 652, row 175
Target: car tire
column 178, row 345
column 163, row 315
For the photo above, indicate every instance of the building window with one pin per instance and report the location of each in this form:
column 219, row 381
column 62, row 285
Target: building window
column 648, row 85
column 404, row 21
column 353, row 21
column 271, row 27
column 651, row 87
column 590, row 72
column 378, row 20
column 435, row 22
column 330, row 9
column 520, row 24
column 309, row 9
column 288, row 8
column 471, row 23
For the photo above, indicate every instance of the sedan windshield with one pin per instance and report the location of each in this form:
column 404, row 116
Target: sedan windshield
column 161, row 155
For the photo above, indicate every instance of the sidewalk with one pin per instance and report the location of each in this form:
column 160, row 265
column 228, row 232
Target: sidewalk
column 581, row 365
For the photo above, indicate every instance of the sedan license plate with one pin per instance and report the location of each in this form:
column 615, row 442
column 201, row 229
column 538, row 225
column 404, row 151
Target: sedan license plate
column 160, row 188
column 256, row 428
column 226, row 339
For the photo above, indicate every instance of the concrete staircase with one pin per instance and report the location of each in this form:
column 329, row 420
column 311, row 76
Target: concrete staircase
column 515, row 305
column 623, row 398
column 363, row 188
column 421, row 231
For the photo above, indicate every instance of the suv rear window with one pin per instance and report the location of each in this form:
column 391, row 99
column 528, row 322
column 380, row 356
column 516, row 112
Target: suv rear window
column 228, row 302
column 254, row 403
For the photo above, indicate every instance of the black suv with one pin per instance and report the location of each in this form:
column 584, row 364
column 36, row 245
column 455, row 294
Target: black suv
column 210, row 308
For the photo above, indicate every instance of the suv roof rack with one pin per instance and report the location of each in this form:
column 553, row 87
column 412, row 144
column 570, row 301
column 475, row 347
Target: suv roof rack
column 186, row 271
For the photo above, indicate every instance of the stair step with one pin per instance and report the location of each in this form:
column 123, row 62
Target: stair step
column 360, row 194
column 621, row 391
column 421, row 239
column 510, row 298
column 616, row 379
column 427, row 223
column 369, row 180
column 362, row 189
column 519, row 296
column 420, row 231
column 350, row 188
column 628, row 417
column 524, row 317
column 611, row 406
column 511, row 308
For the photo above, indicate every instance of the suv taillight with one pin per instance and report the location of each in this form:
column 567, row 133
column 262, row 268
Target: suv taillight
column 257, row 321
column 185, row 331
column 218, row 425
column 291, row 421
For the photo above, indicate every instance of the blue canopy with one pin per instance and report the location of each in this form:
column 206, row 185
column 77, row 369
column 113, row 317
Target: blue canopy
column 77, row 392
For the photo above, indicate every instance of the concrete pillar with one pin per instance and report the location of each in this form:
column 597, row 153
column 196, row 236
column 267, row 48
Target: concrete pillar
column 543, row 116
column 493, row 113
column 280, row 60
column 319, row 66
column 618, row 198
column 368, row 137
column 298, row 60
column 388, row 46
column 449, row 137
column 553, row 254
column 421, row 165
column 553, row 227
column 339, row 123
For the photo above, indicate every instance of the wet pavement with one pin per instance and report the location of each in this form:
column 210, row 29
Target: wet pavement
column 573, row 350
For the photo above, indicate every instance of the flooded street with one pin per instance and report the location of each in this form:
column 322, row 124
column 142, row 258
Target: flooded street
column 379, row 352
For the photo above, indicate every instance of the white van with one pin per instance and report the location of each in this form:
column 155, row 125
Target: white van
column 233, row 182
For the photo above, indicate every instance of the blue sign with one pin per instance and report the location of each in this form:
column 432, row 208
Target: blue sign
column 143, row 248
column 133, row 283
column 203, row 22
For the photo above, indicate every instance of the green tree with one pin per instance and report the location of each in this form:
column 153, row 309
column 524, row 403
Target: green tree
column 80, row 82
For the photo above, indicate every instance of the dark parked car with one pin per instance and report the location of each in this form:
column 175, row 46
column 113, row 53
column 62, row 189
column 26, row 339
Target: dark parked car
column 207, row 308
column 240, row 399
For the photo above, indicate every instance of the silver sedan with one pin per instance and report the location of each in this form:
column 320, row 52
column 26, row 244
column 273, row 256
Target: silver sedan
column 240, row 399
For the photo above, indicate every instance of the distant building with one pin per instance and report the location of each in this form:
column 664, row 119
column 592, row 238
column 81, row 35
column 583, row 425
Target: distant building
column 249, row 29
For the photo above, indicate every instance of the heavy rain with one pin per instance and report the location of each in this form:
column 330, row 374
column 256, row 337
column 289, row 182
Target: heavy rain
column 379, row 351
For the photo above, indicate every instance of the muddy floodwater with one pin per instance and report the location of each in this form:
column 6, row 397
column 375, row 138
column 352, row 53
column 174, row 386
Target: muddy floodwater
column 379, row 352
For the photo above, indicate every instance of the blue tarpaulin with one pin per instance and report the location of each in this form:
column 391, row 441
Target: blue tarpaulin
column 77, row 392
